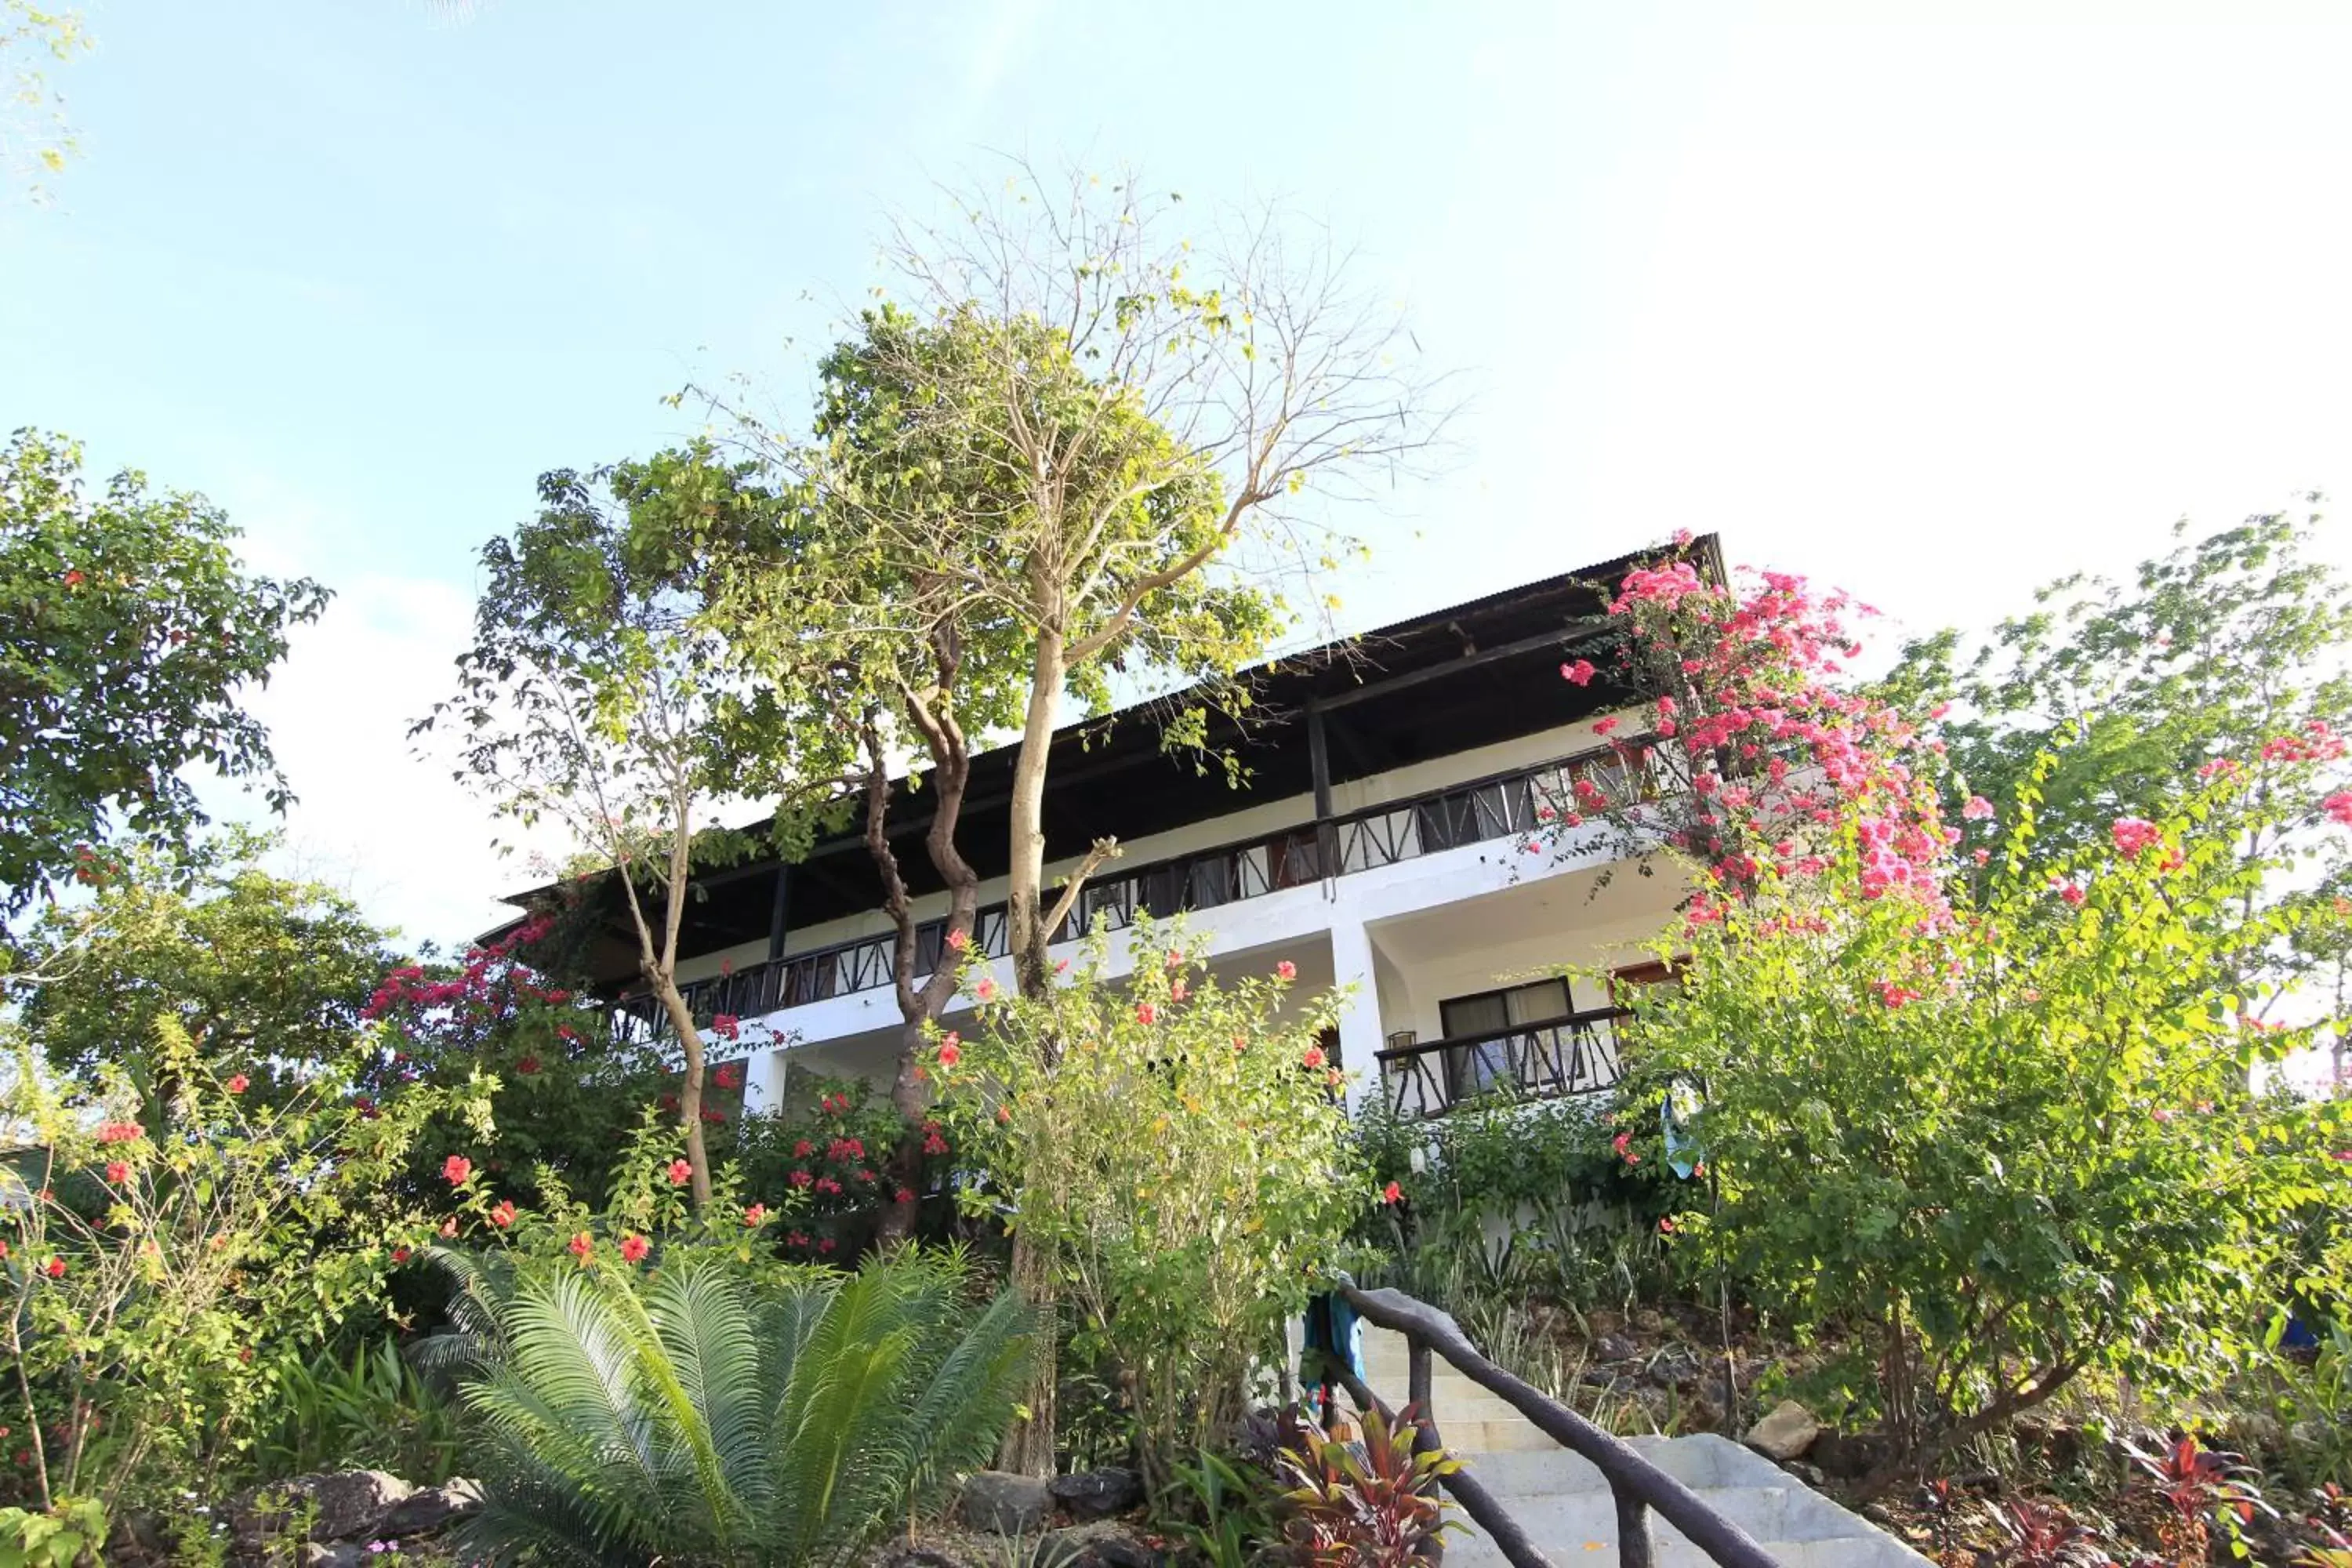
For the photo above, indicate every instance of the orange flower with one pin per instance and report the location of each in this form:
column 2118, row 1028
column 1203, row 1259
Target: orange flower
column 581, row 1246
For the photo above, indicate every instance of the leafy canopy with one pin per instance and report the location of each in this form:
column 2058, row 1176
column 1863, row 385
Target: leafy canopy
column 127, row 629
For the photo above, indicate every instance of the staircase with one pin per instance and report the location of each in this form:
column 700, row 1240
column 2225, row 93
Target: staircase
column 1566, row 1506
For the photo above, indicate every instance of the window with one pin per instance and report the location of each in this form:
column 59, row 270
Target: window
column 1476, row 1068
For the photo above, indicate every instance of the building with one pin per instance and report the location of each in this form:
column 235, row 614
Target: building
column 1396, row 832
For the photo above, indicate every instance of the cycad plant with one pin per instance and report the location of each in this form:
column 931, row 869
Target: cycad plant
column 692, row 1414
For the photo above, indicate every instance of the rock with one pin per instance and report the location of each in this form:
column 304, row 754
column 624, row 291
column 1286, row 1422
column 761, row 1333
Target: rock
column 1785, row 1433
column 2257, row 1432
column 1809, row 1474
column 1096, row 1545
column 904, row 1555
column 1847, row 1459
column 1607, row 1381
column 434, row 1508
column 1675, row 1368
column 1003, row 1503
column 1614, row 1347
column 1098, row 1494
column 346, row 1504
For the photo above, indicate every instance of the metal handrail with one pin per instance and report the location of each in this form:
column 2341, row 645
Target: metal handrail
column 1637, row 1486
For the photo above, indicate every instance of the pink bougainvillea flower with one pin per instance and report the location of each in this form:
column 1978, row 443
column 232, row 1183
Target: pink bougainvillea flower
column 2161, row 1114
column 2133, row 835
column 2338, row 807
column 238, row 1084
column 1393, row 1193
column 1581, row 673
column 951, row 1049
column 456, row 1169
column 116, row 1171
column 1285, row 970
column 680, row 1173
column 1978, row 809
column 800, row 1178
column 1894, row 995
column 1604, row 726
column 634, row 1249
column 1146, row 1014
column 2072, row 894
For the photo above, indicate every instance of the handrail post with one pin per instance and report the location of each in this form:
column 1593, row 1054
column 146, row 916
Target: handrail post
column 1634, row 1549
column 1417, row 1393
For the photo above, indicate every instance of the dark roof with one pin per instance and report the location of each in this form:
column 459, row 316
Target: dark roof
column 1469, row 675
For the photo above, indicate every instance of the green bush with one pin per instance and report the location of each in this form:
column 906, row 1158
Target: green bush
column 367, row 1409
column 2006, row 1140
column 1177, row 1149
column 691, row 1412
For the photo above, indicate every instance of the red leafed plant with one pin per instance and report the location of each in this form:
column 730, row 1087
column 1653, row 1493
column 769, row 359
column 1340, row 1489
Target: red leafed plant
column 2200, row 1486
column 2044, row 1535
column 1365, row 1505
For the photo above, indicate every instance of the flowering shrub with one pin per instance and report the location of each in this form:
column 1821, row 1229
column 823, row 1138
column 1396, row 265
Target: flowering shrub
column 2005, row 1134
column 566, row 1093
column 1752, row 757
column 1177, row 1148
column 150, row 1287
column 828, row 1161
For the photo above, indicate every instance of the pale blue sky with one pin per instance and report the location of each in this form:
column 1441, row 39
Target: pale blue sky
column 1929, row 308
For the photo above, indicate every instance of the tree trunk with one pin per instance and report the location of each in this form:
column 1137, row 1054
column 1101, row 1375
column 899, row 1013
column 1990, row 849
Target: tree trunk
column 690, row 1102
column 950, row 775
column 1028, row 1446
column 1025, row 873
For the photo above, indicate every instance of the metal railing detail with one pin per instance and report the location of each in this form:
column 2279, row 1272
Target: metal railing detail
column 1638, row 1487
column 1521, row 802
column 1551, row 1058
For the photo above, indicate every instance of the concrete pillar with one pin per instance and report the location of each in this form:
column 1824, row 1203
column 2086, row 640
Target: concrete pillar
column 1360, row 1037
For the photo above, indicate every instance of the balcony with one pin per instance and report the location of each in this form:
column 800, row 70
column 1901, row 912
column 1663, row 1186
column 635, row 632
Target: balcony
column 1551, row 1058
column 1504, row 806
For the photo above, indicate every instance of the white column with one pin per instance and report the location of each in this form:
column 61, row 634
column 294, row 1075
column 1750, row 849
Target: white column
column 1360, row 1037
column 763, row 1077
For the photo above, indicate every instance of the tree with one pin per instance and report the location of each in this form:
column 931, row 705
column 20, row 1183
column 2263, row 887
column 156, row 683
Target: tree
column 2230, row 646
column 1044, row 474
column 33, row 137
column 592, row 697
column 266, row 977
column 127, row 628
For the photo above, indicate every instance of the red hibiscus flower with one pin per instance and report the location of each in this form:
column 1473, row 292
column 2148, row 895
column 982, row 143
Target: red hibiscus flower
column 680, row 1173
column 634, row 1249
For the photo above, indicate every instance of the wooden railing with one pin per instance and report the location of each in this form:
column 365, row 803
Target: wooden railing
column 1503, row 805
column 1548, row 1060
column 1638, row 1487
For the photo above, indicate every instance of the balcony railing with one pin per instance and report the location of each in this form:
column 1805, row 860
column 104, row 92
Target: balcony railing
column 1549, row 1059
column 1504, row 806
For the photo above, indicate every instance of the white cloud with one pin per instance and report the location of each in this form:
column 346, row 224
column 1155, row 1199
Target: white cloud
column 392, row 828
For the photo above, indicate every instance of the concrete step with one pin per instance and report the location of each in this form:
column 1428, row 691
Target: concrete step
column 1566, row 1506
